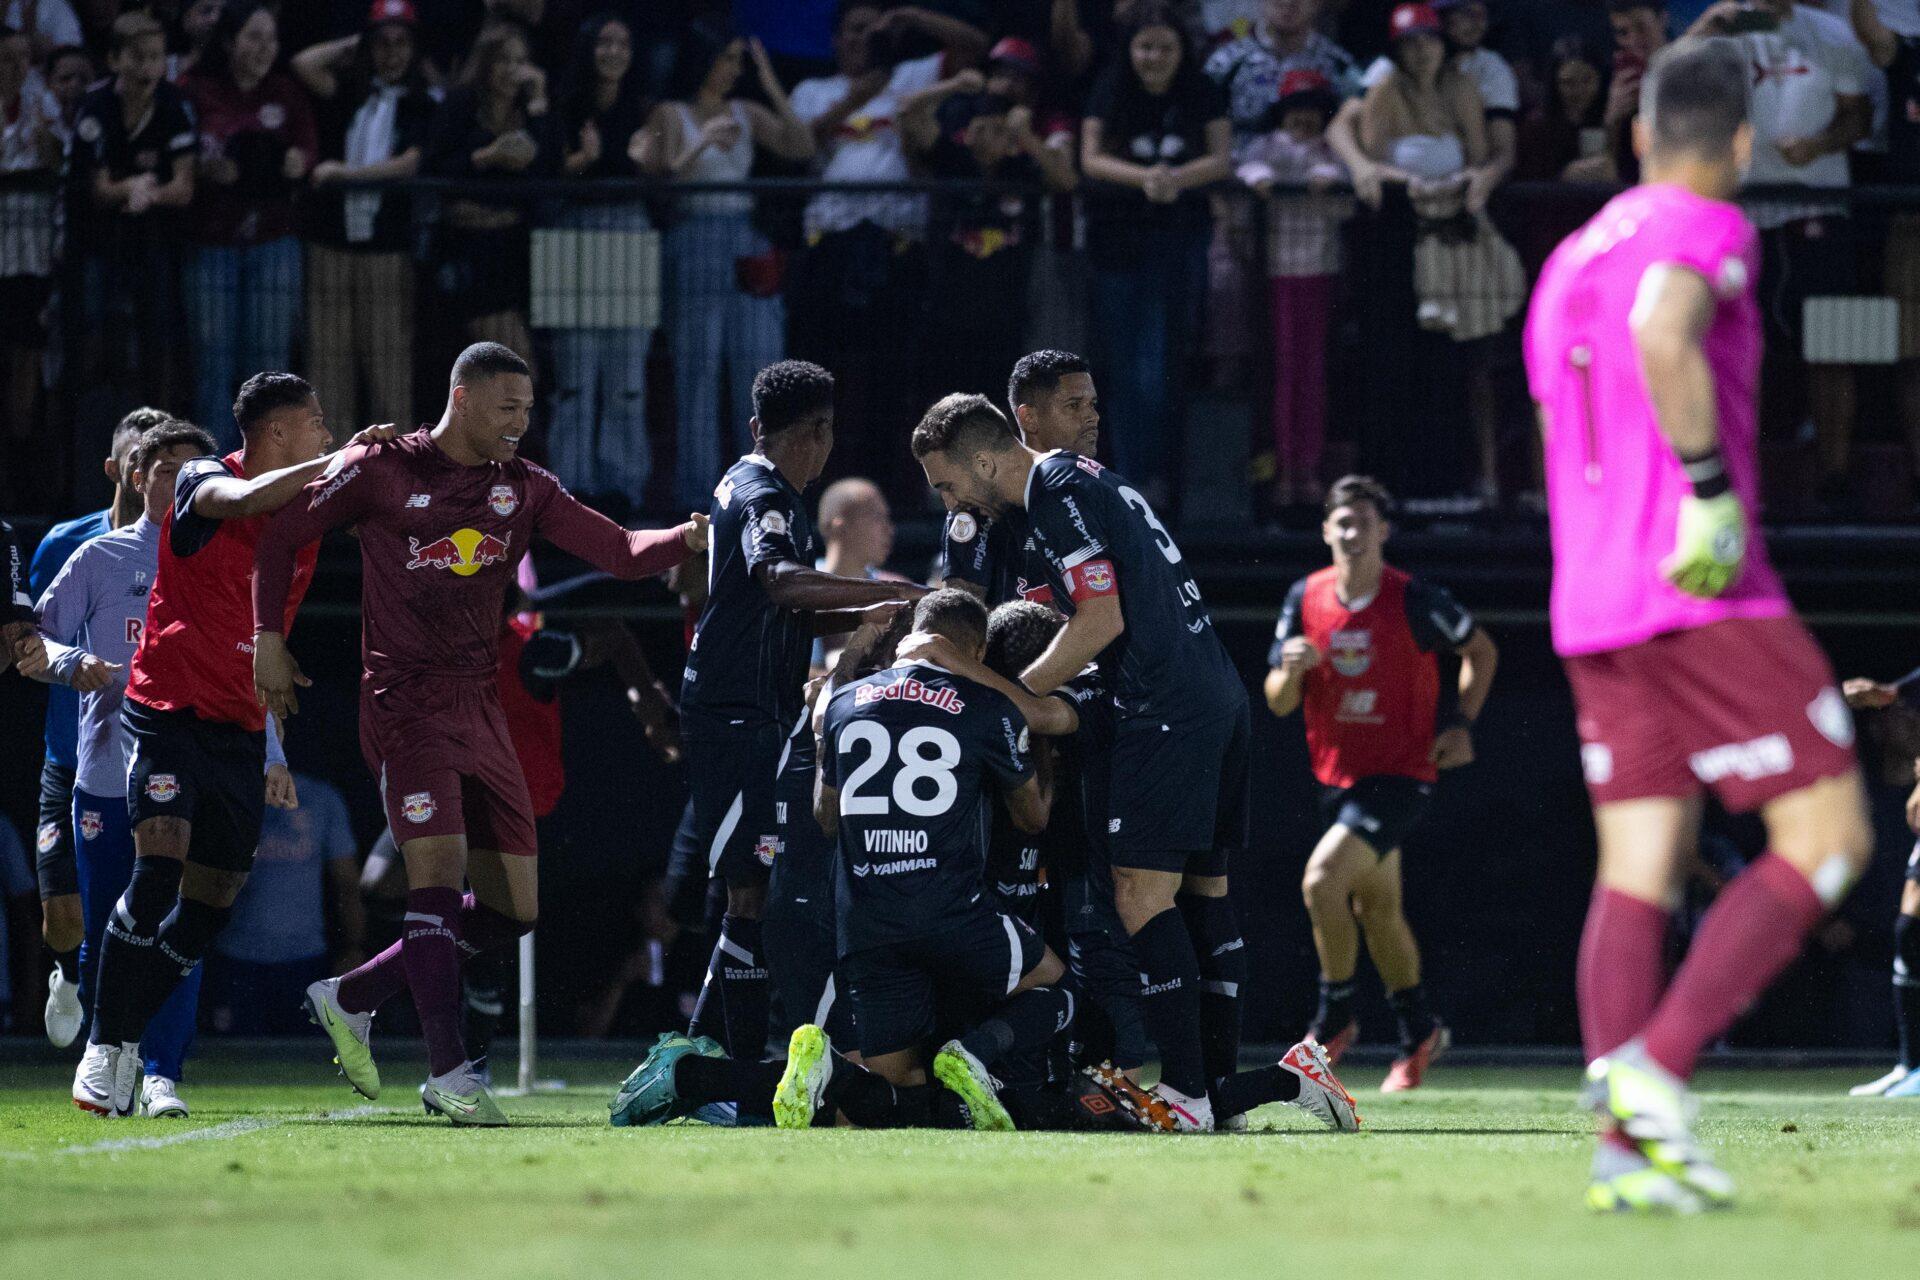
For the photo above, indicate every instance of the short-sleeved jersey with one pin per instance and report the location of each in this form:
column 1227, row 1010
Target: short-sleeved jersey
column 196, row 652
column 749, row 656
column 55, row 549
column 1100, row 537
column 1001, row 558
column 440, row 546
column 1373, row 704
column 1614, row 485
column 164, row 139
column 912, row 751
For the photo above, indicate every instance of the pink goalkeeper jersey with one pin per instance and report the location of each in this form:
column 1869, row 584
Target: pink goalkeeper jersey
column 1613, row 483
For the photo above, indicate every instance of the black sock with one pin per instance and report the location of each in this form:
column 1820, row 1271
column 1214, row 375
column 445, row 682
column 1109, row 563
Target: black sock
column 68, row 962
column 1242, row 1092
column 1906, row 987
column 913, row 1106
column 1336, row 1008
column 1222, row 952
column 1409, row 1006
column 483, row 984
column 743, row 979
column 1170, row 1000
column 861, row 1096
column 698, row 1078
column 131, row 967
column 1025, row 1022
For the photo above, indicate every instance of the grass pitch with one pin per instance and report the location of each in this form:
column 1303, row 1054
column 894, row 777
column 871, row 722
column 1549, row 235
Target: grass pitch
column 283, row 1174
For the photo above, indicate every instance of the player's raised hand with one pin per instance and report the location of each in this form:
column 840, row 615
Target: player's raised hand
column 379, row 434
column 925, row 646
column 696, row 534
column 1299, row 656
column 1869, row 695
column 94, row 674
column 1452, row 748
column 281, row 793
column 275, row 675
column 1709, row 546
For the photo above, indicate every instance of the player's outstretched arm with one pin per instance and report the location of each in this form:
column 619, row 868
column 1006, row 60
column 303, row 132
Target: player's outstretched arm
column 231, row 498
column 1096, row 623
column 579, row 530
column 792, row 585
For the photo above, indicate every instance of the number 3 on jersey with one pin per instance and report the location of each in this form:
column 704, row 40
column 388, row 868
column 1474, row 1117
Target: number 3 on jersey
column 926, row 755
column 1132, row 498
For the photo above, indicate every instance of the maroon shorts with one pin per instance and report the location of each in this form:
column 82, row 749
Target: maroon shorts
column 1745, row 708
column 445, row 764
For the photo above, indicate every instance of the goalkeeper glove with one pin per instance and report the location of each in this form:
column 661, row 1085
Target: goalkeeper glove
column 1709, row 546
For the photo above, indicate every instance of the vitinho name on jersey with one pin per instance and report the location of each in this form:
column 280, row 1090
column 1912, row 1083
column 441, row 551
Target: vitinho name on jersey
column 895, row 841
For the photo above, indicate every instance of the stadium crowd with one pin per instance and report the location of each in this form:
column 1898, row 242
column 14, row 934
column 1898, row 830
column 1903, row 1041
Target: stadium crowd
column 1220, row 201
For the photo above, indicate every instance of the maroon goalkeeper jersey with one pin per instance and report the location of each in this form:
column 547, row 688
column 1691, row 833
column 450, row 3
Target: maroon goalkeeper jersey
column 439, row 543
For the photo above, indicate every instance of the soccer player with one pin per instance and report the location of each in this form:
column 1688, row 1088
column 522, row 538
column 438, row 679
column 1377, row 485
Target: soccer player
column 1689, row 669
column 194, row 789
column 1904, row 1080
column 19, row 640
column 62, row 923
column 1177, row 806
column 742, row 698
column 1355, row 646
column 91, row 617
column 444, row 516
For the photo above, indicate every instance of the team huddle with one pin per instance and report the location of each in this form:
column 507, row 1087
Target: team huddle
column 1060, row 711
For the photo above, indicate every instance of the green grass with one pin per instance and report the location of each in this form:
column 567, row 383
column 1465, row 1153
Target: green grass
column 1479, row 1175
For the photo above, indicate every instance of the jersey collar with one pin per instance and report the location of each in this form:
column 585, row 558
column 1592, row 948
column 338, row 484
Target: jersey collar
column 1026, row 497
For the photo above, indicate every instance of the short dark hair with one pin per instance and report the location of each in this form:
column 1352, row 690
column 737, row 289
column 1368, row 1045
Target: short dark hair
column 962, row 423
column 1695, row 96
column 485, row 360
column 60, row 51
column 1628, row 6
column 129, row 28
column 1039, row 372
column 958, row 615
column 136, row 424
column 158, row 439
column 1018, row 632
column 788, row 390
column 1348, row 490
column 267, row 393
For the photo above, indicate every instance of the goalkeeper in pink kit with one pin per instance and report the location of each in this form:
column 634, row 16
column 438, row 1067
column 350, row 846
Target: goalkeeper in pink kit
column 1690, row 672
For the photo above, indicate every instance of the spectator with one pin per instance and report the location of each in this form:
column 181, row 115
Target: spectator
column 1567, row 128
column 373, row 113
column 723, row 277
column 1639, row 32
column 197, row 22
column 1809, row 106
column 32, row 145
column 598, row 440
column 47, row 24
column 257, row 142
column 133, row 176
column 1303, row 261
column 69, row 74
column 492, row 127
column 306, row 871
column 1156, row 133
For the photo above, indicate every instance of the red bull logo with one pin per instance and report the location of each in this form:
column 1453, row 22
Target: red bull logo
column 767, row 848
column 465, row 551
column 503, row 500
column 1351, row 652
column 162, row 787
column 91, row 824
column 417, row 806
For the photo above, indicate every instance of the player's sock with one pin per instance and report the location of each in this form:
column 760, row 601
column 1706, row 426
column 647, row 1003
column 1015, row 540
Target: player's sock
column 68, row 962
column 1245, row 1090
column 1751, row 933
column 133, row 979
column 864, row 1098
column 1622, row 968
column 431, row 952
column 1906, row 987
column 482, row 929
column 1336, row 1006
column 1024, row 1022
column 1410, row 1012
column 913, row 1105
column 1170, row 1000
column 1215, row 928
column 365, row 989
column 743, row 979
column 700, row 1079
column 483, row 1000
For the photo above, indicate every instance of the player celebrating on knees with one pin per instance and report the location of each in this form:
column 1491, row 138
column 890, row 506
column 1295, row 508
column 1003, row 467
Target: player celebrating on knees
column 194, row 783
column 744, row 692
column 444, row 517
column 1689, row 669
column 1355, row 645
column 1177, row 803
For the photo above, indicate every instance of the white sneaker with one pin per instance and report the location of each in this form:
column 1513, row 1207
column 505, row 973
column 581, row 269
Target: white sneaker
column 107, row 1079
column 1321, row 1093
column 65, row 1017
column 160, row 1099
column 1190, row 1115
column 1871, row 1089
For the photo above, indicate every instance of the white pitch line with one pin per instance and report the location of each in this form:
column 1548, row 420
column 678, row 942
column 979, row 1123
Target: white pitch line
column 213, row 1133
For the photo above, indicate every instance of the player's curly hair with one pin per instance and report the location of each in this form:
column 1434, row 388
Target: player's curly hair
column 1018, row 632
column 788, row 390
column 963, row 424
column 165, row 435
column 958, row 615
column 1038, row 372
column 268, row 393
column 1348, row 490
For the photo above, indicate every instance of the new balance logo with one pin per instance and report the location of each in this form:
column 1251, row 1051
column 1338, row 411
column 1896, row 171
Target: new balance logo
column 419, row 501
